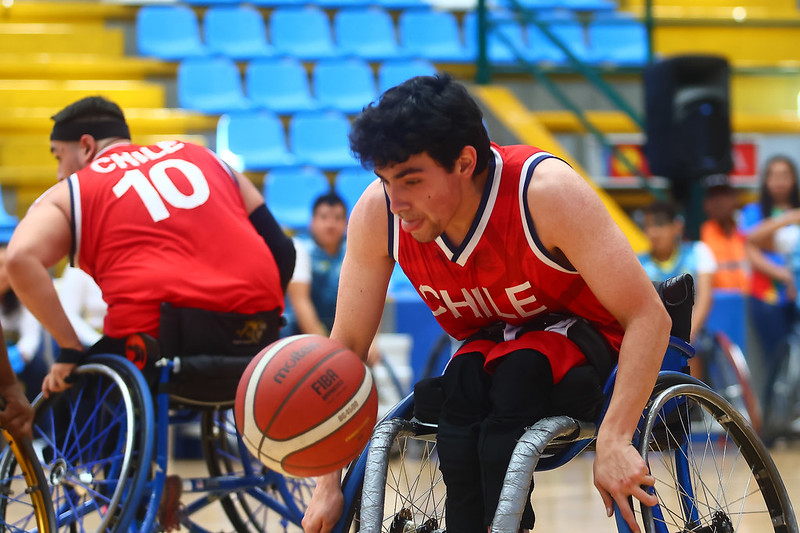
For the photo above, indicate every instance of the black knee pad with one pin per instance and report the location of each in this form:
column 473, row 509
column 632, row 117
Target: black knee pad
column 466, row 389
column 522, row 385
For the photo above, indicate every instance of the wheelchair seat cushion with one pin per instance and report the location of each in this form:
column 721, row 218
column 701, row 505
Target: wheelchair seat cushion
column 188, row 331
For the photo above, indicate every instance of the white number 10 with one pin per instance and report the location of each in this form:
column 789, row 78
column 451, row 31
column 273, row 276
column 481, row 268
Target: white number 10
column 162, row 188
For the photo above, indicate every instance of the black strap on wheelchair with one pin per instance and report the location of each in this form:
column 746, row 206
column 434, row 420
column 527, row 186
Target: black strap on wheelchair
column 677, row 293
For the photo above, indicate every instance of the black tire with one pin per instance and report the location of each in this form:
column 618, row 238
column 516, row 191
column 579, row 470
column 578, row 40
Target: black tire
column 24, row 494
column 226, row 455
column 733, row 484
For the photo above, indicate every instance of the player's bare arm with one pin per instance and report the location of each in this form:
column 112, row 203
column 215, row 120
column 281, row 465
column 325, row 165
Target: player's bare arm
column 573, row 224
column 365, row 274
column 40, row 241
column 363, row 281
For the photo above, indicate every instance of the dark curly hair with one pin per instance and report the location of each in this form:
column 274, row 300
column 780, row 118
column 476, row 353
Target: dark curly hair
column 431, row 114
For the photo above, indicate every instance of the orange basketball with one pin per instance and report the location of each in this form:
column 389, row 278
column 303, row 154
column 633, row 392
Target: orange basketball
column 306, row 406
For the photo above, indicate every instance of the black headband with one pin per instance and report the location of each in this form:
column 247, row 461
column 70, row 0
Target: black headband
column 72, row 131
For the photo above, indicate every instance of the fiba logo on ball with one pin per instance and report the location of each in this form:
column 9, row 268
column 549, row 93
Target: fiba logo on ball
column 306, row 406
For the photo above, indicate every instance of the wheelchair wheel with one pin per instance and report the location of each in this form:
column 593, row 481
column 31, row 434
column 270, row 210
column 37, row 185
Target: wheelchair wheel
column 712, row 471
column 726, row 371
column 94, row 442
column 782, row 412
column 271, row 501
column 411, row 494
column 25, row 502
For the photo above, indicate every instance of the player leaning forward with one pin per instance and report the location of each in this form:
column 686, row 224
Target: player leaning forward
column 493, row 238
column 167, row 229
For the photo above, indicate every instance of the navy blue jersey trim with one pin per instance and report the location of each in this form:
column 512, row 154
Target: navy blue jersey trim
column 391, row 226
column 456, row 251
column 72, row 245
column 527, row 209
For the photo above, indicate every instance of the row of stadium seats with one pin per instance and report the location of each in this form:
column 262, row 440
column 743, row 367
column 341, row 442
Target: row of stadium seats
column 173, row 33
column 257, row 141
column 290, row 192
column 214, row 85
column 577, row 5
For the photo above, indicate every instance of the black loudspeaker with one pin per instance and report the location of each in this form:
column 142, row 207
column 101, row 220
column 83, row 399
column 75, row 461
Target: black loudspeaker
column 687, row 122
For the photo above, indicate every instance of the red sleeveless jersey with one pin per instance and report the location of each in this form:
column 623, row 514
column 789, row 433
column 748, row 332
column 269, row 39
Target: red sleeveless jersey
column 167, row 223
column 501, row 272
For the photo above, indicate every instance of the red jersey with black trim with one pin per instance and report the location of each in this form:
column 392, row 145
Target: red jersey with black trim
column 167, row 223
column 501, row 272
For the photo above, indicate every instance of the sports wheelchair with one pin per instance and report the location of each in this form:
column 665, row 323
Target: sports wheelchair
column 96, row 444
column 713, row 474
column 99, row 455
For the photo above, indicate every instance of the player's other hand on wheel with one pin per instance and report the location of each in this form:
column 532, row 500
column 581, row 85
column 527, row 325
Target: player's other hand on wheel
column 57, row 379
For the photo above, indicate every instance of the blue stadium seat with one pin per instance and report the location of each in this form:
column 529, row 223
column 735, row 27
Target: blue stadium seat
column 402, row 5
column 618, row 41
column 210, row 85
column 253, row 141
column 391, row 73
column 542, row 48
column 169, row 32
column 533, row 5
column 212, row 2
column 320, row 139
column 302, row 32
column 433, row 35
column 238, row 32
column 342, row 4
column 368, row 33
column 346, row 85
column 279, row 84
column 290, row 194
column 351, row 182
column 498, row 50
column 589, row 5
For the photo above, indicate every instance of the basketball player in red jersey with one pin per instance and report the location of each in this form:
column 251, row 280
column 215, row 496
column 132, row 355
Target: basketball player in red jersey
column 494, row 238
column 169, row 223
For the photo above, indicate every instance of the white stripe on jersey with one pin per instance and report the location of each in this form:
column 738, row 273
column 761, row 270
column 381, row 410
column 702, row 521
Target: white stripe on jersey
column 467, row 250
column 77, row 220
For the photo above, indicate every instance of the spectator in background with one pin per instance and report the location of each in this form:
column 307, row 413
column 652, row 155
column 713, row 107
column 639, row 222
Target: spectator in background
column 772, row 291
column 312, row 291
column 315, row 282
column 781, row 234
column 722, row 235
column 670, row 256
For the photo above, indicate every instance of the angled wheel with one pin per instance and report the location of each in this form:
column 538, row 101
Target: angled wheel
column 93, row 441
column 25, row 503
column 402, row 488
column 265, row 499
column 712, row 472
column 782, row 410
column 726, row 371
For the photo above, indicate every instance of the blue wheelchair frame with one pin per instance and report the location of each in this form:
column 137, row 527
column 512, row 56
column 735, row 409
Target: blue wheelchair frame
column 212, row 487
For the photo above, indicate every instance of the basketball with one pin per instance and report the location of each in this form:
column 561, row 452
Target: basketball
column 306, row 406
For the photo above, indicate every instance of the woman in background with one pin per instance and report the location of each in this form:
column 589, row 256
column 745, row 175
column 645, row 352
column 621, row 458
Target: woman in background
column 772, row 290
